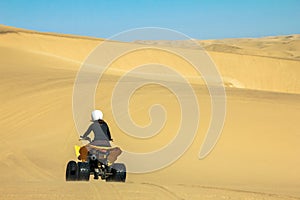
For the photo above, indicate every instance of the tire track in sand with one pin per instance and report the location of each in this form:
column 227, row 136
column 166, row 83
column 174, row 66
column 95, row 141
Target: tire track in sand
column 164, row 190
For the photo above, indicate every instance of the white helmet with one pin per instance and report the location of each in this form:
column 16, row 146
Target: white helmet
column 96, row 115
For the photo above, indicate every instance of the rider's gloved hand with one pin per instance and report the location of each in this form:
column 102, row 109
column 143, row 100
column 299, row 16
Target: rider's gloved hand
column 81, row 137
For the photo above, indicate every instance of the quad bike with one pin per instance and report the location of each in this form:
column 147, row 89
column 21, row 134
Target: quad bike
column 93, row 160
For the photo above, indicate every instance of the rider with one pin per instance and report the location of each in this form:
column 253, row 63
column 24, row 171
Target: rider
column 101, row 131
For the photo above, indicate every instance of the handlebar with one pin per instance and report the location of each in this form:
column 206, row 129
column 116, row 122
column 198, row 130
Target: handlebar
column 86, row 138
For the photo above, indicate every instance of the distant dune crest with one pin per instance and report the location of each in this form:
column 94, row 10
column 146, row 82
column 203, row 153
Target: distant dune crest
column 285, row 47
column 267, row 64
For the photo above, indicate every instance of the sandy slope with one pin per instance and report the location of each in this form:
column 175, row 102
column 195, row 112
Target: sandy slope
column 257, row 156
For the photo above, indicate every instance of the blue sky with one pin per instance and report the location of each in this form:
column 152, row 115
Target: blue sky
column 201, row 19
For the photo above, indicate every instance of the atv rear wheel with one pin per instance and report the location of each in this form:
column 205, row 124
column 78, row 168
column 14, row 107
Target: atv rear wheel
column 71, row 171
column 118, row 173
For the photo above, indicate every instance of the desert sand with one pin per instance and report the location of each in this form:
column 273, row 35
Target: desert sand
column 256, row 157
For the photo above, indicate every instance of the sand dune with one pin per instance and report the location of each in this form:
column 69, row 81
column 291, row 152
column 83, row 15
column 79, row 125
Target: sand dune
column 271, row 63
column 285, row 47
column 257, row 156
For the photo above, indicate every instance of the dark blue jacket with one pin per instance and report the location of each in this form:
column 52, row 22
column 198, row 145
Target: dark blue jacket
column 100, row 129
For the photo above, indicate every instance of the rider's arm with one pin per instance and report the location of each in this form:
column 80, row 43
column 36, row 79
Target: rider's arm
column 88, row 131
